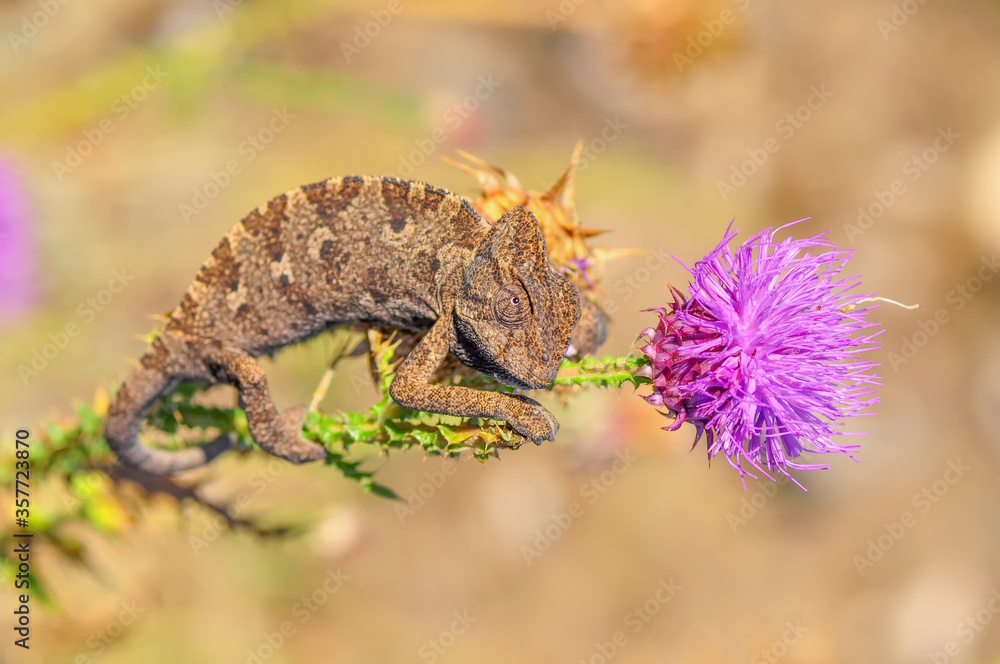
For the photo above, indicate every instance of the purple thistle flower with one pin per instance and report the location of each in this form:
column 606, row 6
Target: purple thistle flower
column 18, row 291
column 763, row 357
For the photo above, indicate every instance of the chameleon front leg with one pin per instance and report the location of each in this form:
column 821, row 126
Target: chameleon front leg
column 277, row 433
column 411, row 389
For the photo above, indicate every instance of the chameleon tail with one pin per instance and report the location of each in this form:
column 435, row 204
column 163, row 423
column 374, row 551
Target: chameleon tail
column 155, row 376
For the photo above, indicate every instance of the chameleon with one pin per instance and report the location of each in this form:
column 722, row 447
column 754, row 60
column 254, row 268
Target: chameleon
column 363, row 250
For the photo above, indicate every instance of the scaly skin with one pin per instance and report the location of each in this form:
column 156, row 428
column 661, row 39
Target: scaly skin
column 373, row 250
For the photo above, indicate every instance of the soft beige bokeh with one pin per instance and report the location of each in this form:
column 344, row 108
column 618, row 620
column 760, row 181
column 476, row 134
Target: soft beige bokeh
column 667, row 516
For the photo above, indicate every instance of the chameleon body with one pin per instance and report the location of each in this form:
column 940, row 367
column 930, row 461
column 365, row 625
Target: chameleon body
column 372, row 250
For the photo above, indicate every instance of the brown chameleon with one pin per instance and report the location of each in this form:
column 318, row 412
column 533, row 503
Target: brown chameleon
column 368, row 250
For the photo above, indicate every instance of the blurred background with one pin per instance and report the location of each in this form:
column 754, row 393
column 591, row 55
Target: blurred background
column 133, row 135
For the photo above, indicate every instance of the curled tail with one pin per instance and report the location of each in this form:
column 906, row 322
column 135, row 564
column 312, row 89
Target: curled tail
column 158, row 373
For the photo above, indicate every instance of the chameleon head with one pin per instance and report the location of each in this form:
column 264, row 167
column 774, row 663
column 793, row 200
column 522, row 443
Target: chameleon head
column 514, row 314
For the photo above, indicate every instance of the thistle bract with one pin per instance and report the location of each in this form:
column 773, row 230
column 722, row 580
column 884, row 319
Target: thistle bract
column 763, row 356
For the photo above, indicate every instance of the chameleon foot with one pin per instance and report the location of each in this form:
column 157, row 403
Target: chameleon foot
column 293, row 446
column 531, row 419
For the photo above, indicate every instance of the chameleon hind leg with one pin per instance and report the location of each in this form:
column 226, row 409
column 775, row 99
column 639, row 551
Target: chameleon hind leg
column 276, row 432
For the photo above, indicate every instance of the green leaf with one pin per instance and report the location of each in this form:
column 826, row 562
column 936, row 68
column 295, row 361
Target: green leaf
column 380, row 490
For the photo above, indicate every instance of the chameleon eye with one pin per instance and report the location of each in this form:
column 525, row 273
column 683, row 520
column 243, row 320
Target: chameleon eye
column 509, row 306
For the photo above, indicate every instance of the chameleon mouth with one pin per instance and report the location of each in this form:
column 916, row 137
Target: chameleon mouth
column 535, row 380
column 526, row 382
column 531, row 380
column 521, row 370
column 534, row 383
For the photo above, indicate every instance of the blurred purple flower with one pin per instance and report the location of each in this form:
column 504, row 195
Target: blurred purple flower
column 18, row 285
column 763, row 357
column 582, row 265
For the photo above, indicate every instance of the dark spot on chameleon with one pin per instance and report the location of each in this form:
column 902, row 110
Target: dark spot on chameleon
column 432, row 198
column 276, row 206
column 310, row 309
column 379, row 297
column 224, row 271
column 254, row 223
column 274, row 214
column 328, row 202
column 326, row 250
column 350, row 187
column 335, row 265
column 435, row 264
column 397, row 223
column 393, row 188
column 395, row 193
column 320, row 197
column 284, row 280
